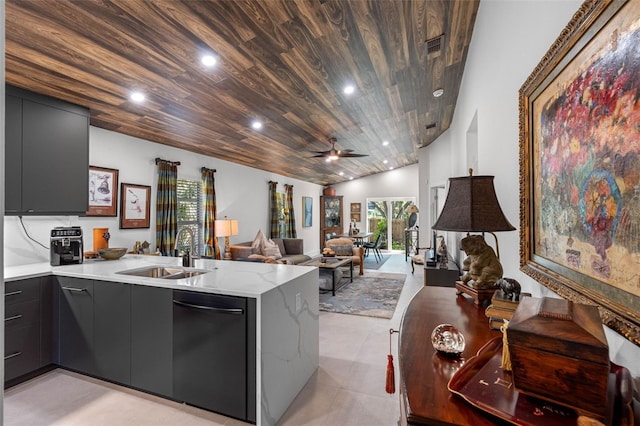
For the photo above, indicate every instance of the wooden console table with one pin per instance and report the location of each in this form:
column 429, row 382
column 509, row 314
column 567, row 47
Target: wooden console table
column 424, row 374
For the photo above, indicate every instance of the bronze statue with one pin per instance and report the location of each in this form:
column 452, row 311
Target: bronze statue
column 482, row 267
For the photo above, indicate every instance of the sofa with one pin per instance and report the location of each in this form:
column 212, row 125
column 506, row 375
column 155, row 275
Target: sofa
column 344, row 248
column 291, row 249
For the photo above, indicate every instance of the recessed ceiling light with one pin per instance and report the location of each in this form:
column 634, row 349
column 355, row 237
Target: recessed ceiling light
column 351, row 178
column 349, row 89
column 391, row 168
column 137, row 96
column 385, row 161
column 341, row 173
column 256, row 125
column 385, row 143
column 209, row 60
column 438, row 92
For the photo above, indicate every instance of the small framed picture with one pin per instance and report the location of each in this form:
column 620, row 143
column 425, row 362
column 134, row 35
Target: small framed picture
column 103, row 192
column 134, row 206
column 307, row 208
column 355, row 207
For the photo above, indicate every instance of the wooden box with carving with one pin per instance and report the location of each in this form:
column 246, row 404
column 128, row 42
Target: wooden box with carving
column 559, row 353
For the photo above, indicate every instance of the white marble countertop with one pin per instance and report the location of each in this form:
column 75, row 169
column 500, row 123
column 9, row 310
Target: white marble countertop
column 245, row 279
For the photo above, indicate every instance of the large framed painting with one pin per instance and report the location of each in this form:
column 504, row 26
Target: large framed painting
column 135, row 206
column 580, row 164
column 103, row 191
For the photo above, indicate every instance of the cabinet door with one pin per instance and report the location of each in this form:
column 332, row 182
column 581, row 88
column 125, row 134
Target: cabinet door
column 330, row 218
column 76, row 324
column 13, row 154
column 152, row 339
column 112, row 331
column 47, row 320
column 55, row 154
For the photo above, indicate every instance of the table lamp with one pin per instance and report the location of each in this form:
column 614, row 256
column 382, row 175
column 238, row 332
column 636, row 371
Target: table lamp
column 226, row 228
column 472, row 206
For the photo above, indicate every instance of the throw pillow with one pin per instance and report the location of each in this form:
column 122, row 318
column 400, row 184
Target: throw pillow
column 256, row 245
column 342, row 249
column 270, row 249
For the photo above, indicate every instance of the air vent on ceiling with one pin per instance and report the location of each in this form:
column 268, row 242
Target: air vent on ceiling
column 434, row 45
column 430, row 126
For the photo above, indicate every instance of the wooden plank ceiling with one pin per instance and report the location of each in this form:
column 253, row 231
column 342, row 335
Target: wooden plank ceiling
column 283, row 62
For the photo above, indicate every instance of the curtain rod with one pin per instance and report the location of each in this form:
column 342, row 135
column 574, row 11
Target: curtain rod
column 160, row 160
column 204, row 169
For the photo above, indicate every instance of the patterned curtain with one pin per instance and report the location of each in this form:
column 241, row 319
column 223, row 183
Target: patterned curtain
column 166, row 207
column 290, row 219
column 274, row 232
column 209, row 194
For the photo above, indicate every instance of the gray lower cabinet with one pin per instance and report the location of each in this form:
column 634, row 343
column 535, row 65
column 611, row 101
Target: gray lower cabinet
column 95, row 328
column 76, row 330
column 22, row 324
column 112, row 331
column 152, row 339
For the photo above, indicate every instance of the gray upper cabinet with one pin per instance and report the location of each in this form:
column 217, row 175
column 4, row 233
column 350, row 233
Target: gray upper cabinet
column 47, row 155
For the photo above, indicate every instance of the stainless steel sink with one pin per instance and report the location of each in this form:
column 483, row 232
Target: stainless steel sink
column 185, row 274
column 163, row 272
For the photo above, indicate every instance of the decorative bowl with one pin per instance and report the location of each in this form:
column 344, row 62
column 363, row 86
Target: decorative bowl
column 112, row 253
column 447, row 340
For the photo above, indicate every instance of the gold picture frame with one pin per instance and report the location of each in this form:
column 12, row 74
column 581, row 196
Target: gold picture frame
column 579, row 165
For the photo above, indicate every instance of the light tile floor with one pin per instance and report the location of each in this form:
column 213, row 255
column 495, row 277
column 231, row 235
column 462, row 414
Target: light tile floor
column 347, row 389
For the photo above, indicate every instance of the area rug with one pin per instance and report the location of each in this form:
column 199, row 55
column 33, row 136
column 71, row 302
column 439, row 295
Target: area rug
column 370, row 261
column 374, row 294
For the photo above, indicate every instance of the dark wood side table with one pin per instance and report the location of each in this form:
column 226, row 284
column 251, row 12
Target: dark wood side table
column 441, row 277
column 424, row 374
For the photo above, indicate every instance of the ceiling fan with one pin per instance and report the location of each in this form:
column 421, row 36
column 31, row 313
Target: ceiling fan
column 334, row 154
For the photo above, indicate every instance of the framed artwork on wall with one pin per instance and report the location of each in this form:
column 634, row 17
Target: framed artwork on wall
column 355, row 207
column 307, row 210
column 103, row 191
column 580, row 165
column 355, row 217
column 134, row 206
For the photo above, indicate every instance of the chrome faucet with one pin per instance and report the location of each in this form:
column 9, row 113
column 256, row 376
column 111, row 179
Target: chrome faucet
column 188, row 258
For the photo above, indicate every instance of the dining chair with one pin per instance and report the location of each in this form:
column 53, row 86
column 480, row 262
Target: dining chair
column 375, row 246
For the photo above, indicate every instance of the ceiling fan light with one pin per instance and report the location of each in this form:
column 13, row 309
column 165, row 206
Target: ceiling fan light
column 332, row 157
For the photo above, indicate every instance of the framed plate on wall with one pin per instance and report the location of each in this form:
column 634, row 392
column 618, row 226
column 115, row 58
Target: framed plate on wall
column 134, row 206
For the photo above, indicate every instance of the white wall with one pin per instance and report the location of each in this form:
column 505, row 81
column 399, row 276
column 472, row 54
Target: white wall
column 241, row 193
column 509, row 40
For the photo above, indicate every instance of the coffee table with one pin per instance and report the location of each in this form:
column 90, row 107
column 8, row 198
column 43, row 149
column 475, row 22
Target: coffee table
column 330, row 265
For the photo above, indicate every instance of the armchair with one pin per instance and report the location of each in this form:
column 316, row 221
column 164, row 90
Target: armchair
column 344, row 248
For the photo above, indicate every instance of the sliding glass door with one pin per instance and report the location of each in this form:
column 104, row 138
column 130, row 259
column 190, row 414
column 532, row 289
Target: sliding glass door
column 388, row 217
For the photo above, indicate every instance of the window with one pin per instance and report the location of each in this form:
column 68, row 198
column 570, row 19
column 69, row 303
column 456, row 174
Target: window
column 190, row 213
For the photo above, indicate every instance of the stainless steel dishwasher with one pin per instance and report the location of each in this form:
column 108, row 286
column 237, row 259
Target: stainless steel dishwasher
column 211, row 353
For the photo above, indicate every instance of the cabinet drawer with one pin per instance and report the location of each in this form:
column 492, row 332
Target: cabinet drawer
column 22, row 314
column 21, row 291
column 22, row 351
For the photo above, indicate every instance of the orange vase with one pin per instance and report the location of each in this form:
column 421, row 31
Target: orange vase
column 100, row 238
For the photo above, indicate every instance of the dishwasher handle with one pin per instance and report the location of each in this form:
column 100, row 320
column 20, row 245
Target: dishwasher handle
column 233, row 311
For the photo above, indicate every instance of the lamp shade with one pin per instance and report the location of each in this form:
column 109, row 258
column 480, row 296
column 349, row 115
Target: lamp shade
column 472, row 206
column 226, row 227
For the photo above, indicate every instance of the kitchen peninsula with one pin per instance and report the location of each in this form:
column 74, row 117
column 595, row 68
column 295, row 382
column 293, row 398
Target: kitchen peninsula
column 279, row 304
